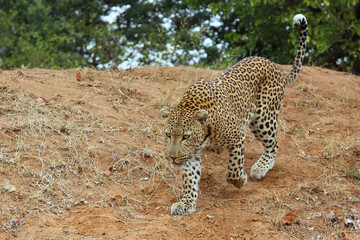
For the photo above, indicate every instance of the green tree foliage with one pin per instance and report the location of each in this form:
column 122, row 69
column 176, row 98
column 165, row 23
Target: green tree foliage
column 251, row 27
column 264, row 28
column 335, row 41
column 51, row 34
column 161, row 30
column 67, row 33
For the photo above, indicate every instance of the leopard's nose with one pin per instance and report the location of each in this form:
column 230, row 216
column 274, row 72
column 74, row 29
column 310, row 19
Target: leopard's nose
column 171, row 154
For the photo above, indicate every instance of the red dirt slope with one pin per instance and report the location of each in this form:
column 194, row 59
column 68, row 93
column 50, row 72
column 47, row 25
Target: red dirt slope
column 82, row 157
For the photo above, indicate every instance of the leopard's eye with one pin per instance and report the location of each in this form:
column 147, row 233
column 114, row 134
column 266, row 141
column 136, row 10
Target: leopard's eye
column 186, row 137
column 168, row 135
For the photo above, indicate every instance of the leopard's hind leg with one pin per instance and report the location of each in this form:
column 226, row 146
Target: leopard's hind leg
column 264, row 127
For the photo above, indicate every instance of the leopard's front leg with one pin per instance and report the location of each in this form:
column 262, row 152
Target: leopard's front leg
column 191, row 171
column 236, row 174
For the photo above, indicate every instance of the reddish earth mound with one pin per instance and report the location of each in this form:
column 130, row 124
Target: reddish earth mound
column 82, row 157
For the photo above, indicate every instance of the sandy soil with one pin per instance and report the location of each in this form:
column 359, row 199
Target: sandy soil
column 82, row 158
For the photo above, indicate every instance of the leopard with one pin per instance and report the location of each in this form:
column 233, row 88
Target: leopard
column 216, row 114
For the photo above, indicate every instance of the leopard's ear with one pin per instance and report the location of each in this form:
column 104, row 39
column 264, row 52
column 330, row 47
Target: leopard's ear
column 201, row 115
column 165, row 111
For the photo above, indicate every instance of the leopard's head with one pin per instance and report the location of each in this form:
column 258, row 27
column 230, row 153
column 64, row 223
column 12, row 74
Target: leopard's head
column 185, row 132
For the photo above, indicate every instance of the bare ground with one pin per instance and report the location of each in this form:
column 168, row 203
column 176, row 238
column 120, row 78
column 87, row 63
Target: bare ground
column 82, row 158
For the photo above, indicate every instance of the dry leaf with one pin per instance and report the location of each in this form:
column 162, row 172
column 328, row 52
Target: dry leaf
column 78, row 76
column 289, row 217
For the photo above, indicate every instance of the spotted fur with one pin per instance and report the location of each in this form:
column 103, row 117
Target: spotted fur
column 215, row 114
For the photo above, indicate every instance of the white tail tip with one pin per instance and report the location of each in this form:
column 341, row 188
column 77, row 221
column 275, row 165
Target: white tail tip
column 299, row 19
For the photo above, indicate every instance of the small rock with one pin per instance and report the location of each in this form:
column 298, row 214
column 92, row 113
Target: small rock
column 8, row 187
column 40, row 100
column 317, row 237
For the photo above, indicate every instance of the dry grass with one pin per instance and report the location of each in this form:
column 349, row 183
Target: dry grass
column 54, row 151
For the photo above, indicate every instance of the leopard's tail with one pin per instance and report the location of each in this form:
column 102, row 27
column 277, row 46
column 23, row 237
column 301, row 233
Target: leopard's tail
column 299, row 21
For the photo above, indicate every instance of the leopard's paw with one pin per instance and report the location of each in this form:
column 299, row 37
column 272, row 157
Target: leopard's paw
column 181, row 208
column 238, row 183
column 258, row 171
